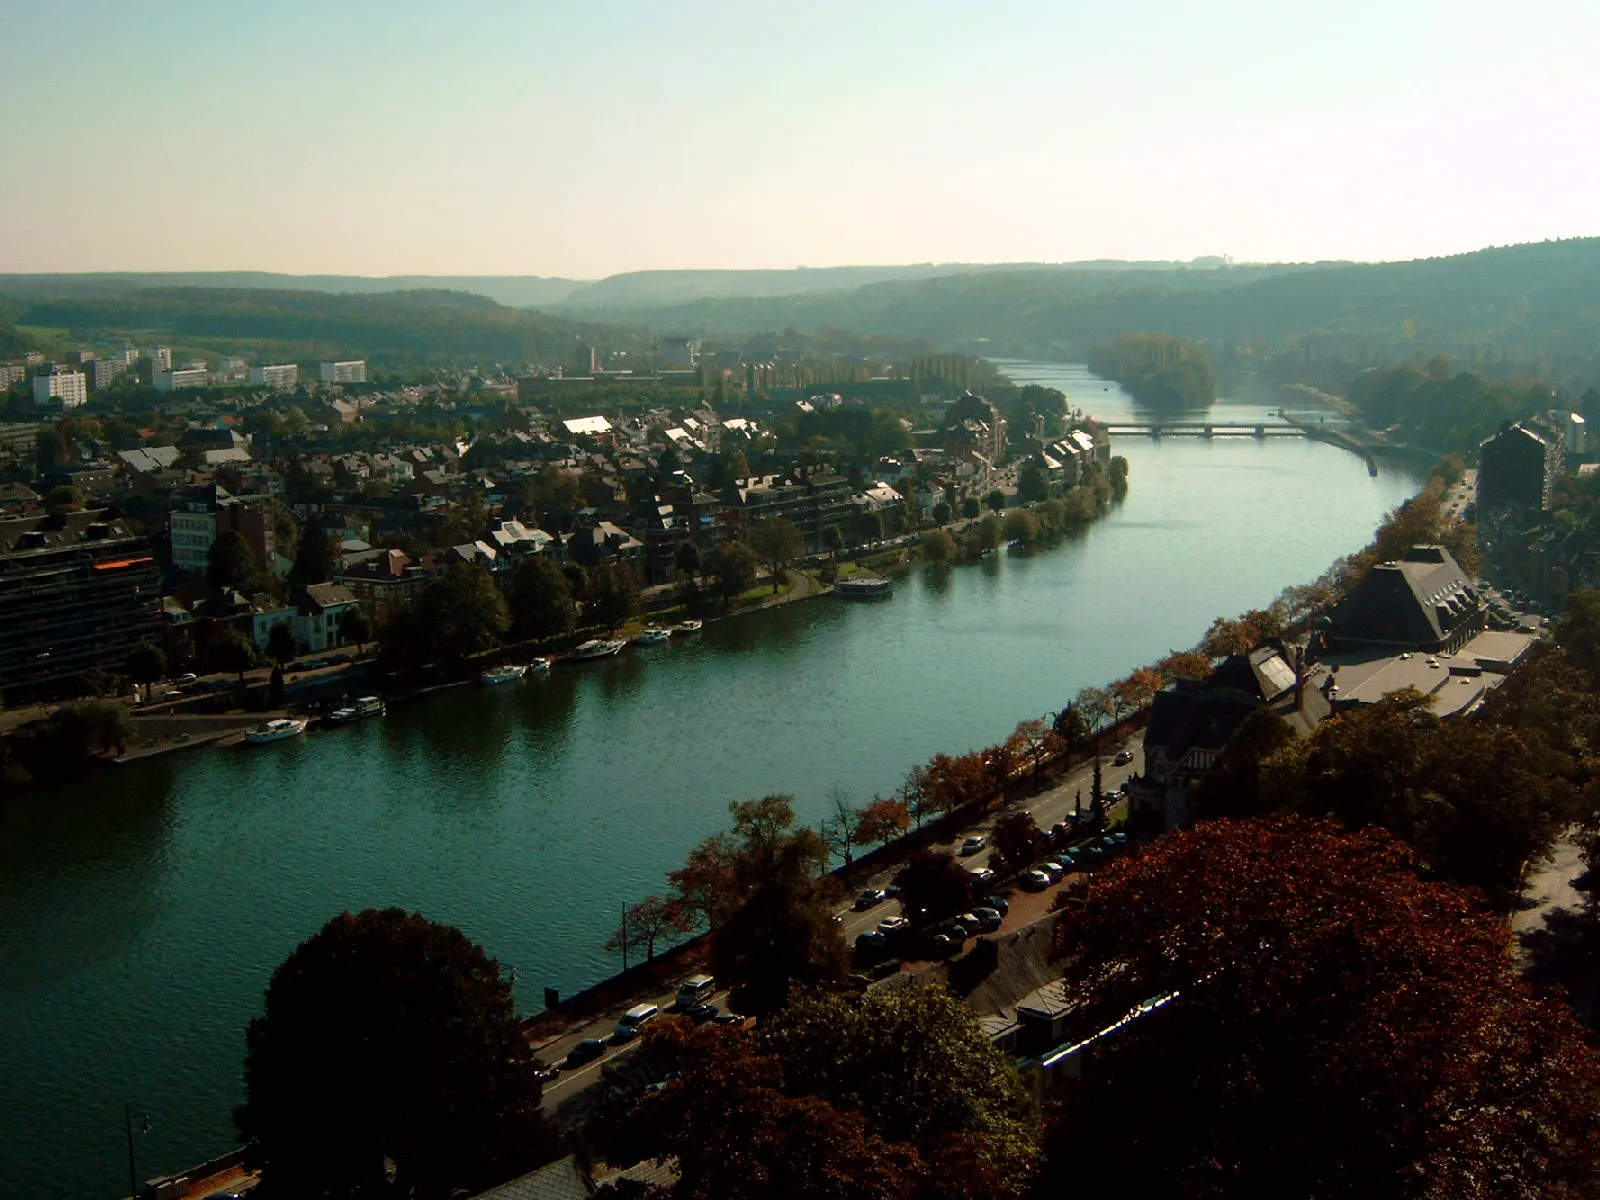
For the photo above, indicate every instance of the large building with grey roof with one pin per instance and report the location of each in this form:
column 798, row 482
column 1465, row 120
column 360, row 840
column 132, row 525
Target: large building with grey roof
column 1423, row 601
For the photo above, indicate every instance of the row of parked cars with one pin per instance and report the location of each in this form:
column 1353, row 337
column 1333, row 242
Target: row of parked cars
column 1073, row 858
column 691, row 1002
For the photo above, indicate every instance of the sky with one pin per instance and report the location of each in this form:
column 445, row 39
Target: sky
column 581, row 139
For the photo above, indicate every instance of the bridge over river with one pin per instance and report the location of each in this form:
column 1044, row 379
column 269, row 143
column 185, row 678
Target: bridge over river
column 1203, row 429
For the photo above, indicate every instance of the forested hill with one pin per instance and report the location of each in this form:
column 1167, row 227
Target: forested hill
column 397, row 329
column 1533, row 300
column 514, row 291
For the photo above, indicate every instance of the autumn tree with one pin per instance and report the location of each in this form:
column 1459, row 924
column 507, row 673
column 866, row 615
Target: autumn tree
column 779, row 545
column 389, row 1060
column 938, row 547
column 646, row 922
column 708, row 884
column 1017, row 839
column 882, row 820
column 1312, row 1020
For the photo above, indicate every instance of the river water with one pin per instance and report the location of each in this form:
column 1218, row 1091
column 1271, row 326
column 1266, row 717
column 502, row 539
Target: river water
column 142, row 912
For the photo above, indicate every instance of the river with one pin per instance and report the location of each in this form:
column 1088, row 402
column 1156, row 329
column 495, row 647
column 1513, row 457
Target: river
column 142, row 912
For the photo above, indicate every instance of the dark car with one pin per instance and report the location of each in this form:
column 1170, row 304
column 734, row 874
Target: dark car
column 727, row 1018
column 1123, row 758
column 999, row 903
column 988, row 919
column 699, row 1013
column 870, row 898
column 585, row 1051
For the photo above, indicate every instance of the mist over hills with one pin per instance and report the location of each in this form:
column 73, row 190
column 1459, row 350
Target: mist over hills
column 514, row 291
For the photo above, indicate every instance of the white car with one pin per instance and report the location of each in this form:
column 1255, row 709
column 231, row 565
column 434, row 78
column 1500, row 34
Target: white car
column 973, row 844
column 982, row 875
column 892, row 925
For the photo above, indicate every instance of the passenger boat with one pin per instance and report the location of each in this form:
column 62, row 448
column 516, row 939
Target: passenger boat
column 365, row 706
column 653, row 636
column 597, row 648
column 864, row 587
column 276, row 730
column 692, row 625
column 539, row 666
column 503, row 674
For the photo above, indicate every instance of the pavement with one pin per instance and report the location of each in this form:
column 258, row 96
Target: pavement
column 566, row 1095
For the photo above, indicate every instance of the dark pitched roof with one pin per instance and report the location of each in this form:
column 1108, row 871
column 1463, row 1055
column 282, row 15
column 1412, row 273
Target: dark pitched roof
column 1187, row 716
column 1413, row 602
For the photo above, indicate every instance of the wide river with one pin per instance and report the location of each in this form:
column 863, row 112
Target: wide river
column 142, row 911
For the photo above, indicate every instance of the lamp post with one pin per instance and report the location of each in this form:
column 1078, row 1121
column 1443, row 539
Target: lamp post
column 144, row 1127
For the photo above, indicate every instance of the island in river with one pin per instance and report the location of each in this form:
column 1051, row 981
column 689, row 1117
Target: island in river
column 1157, row 369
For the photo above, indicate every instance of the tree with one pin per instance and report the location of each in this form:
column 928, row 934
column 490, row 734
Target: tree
column 614, row 593
column 314, row 557
column 883, row 820
column 231, row 563
column 996, row 500
column 1578, row 630
column 652, row 918
column 1020, row 526
column 146, row 664
column 708, row 883
column 989, row 530
column 65, row 498
column 460, row 614
column 942, row 513
column 871, row 525
column 49, row 451
column 233, row 652
column 687, row 560
column 917, row 1064
column 970, row 508
column 1032, row 486
column 388, row 1043
column 733, row 1132
column 938, row 547
column 1017, row 839
column 782, row 931
column 1232, row 788
column 1312, row 1020
column 841, row 829
column 354, row 627
column 733, row 566
column 541, row 600
column 934, row 884
column 281, row 643
column 778, row 544
column 832, row 540
column 1073, row 730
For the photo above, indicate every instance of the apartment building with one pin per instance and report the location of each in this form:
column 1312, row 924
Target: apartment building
column 60, row 389
column 201, row 515
column 352, row 371
column 77, row 591
column 183, row 377
column 281, row 377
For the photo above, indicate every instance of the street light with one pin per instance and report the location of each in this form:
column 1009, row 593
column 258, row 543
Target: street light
column 144, row 1127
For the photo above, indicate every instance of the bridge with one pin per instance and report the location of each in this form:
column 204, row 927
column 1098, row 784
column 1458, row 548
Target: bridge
column 1203, row 429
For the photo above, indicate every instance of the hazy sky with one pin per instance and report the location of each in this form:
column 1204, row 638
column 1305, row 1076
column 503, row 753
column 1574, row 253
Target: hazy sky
column 585, row 138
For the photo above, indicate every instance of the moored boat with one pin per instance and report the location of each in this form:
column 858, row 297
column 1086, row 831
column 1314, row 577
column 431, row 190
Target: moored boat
column 653, row 636
column 597, row 648
column 276, row 730
column 364, row 706
column 692, row 625
column 539, row 666
column 864, row 587
column 503, row 674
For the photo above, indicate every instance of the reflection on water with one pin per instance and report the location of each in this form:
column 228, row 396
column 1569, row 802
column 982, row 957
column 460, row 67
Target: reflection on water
column 141, row 913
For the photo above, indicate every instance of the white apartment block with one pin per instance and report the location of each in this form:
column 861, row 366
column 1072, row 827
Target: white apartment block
column 353, row 371
column 160, row 359
column 192, row 535
column 185, row 377
column 104, row 370
column 64, row 389
column 281, row 377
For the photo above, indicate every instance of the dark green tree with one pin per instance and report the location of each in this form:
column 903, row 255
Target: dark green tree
column 146, row 664
column 460, row 614
column 389, row 1061
column 313, row 557
column 733, row 566
column 614, row 593
column 1032, row 486
column 282, row 645
column 541, row 600
column 832, row 540
column 996, row 500
column 355, row 627
column 233, row 652
column 933, row 883
column 942, row 513
column 970, row 508
column 231, row 563
column 687, row 560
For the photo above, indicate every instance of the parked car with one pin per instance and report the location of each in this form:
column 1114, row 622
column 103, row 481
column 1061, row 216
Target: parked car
column 893, row 925
column 1123, row 758
column 982, row 876
column 987, row 919
column 1053, row 869
column 699, row 1013
column 633, row 1021
column 973, row 844
column 942, row 945
column 1034, row 881
column 870, row 898
column 312, row 664
column 187, row 679
column 548, row 1074
column 999, row 903
column 585, row 1051
column 695, row 989
column 1062, row 831
column 727, row 1018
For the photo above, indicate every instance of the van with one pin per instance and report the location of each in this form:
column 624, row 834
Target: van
column 695, row 990
column 632, row 1021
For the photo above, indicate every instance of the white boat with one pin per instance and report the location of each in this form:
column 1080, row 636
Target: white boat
column 653, row 636
column 597, row 648
column 864, row 587
column 503, row 674
column 276, row 730
column 539, row 666
column 365, row 706
column 692, row 625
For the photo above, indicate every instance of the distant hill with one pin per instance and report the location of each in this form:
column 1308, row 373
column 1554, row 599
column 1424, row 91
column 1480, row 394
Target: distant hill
column 645, row 289
column 514, row 291
column 404, row 329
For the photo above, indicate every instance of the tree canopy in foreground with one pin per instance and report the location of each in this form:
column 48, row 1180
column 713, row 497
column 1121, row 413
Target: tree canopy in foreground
column 389, row 1061
column 1333, row 1027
